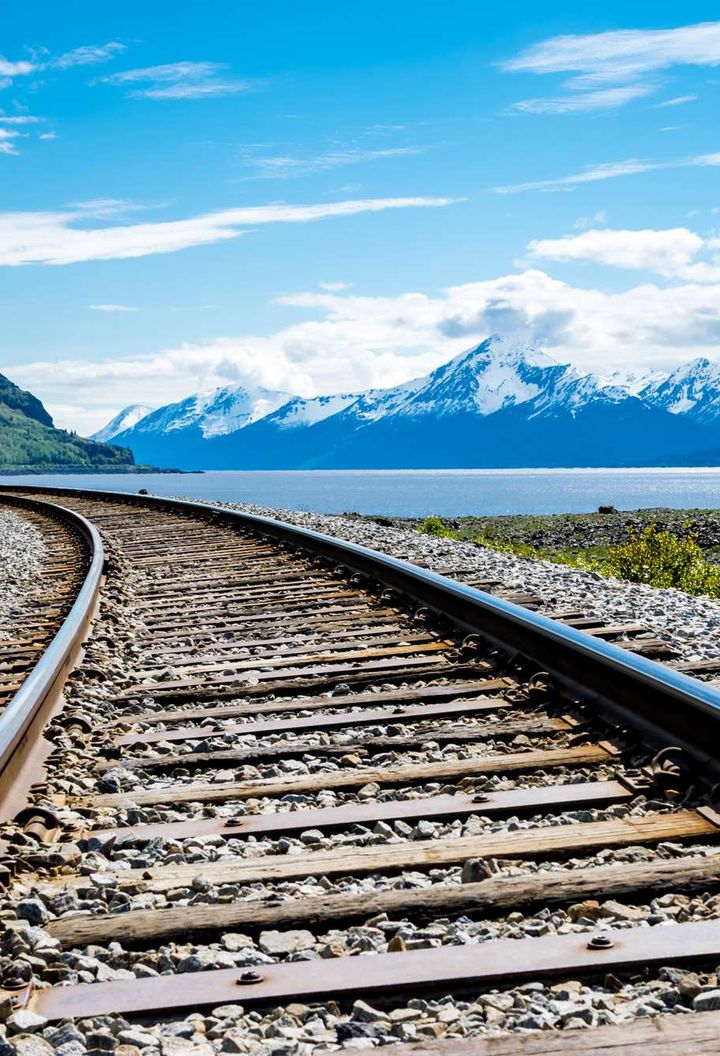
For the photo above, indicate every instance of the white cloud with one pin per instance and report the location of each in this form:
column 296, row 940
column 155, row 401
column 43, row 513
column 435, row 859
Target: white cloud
column 628, row 57
column 19, row 119
column 180, row 80
column 88, row 55
column 52, row 238
column 283, row 167
column 357, row 342
column 663, row 252
column 113, row 308
column 7, row 140
column 618, row 54
column 585, row 102
column 671, row 253
column 15, row 69
column 334, row 287
column 83, row 56
column 609, row 171
column 48, row 135
column 679, row 100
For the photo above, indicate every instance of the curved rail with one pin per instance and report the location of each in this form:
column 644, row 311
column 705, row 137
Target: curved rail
column 661, row 702
column 22, row 720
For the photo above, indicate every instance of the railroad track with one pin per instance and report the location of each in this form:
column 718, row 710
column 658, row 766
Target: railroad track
column 301, row 794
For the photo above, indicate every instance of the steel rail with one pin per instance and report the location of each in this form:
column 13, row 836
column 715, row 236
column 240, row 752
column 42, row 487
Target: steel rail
column 24, row 717
column 661, row 703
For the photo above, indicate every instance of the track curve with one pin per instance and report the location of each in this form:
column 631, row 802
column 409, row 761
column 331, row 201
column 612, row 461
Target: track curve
column 295, row 766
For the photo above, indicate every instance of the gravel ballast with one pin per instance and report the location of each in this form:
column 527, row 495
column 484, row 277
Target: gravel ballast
column 22, row 550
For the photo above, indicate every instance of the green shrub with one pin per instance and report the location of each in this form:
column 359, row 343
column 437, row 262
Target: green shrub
column 661, row 558
column 434, row 526
column 655, row 556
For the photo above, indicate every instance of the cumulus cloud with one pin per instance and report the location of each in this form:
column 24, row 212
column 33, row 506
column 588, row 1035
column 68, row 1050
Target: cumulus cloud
column 357, row 342
column 629, row 57
column 180, row 80
column 671, row 253
column 54, row 237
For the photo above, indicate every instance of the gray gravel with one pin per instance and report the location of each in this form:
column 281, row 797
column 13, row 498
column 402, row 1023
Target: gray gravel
column 22, row 549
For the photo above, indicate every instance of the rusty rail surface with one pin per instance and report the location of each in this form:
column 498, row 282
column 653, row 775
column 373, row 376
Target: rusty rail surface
column 24, row 718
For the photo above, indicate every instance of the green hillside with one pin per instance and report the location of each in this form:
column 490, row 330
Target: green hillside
column 29, row 440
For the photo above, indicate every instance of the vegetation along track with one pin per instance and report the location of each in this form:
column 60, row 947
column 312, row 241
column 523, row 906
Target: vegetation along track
column 304, row 795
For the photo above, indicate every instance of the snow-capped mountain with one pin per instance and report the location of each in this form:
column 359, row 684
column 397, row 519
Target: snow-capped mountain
column 692, row 389
column 495, row 405
column 631, row 381
column 177, row 433
column 216, row 412
column 125, row 419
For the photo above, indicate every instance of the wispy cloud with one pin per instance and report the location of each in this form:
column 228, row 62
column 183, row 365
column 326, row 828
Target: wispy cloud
column 88, row 55
column 19, row 119
column 180, row 80
column 609, row 171
column 618, row 54
column 283, row 167
column 334, row 287
column 679, row 100
column 112, row 308
column 7, row 140
column 583, row 102
column 55, row 238
column 16, row 69
column 101, row 208
column 627, row 57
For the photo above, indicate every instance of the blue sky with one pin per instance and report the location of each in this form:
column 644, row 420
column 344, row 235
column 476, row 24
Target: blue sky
column 319, row 197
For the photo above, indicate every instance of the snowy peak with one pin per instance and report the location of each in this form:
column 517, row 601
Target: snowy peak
column 215, row 413
column 298, row 412
column 125, row 419
column 631, row 381
column 691, row 389
column 497, row 376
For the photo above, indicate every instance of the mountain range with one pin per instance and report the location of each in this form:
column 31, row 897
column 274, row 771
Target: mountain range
column 29, row 439
column 497, row 405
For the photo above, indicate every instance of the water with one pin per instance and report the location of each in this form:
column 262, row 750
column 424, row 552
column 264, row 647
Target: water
column 412, row 493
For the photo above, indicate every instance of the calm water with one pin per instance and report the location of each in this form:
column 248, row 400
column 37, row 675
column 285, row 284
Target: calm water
column 420, row 492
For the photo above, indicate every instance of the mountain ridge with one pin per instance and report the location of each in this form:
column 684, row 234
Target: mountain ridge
column 495, row 405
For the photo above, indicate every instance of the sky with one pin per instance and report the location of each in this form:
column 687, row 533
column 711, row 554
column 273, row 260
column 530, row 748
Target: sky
column 319, row 197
